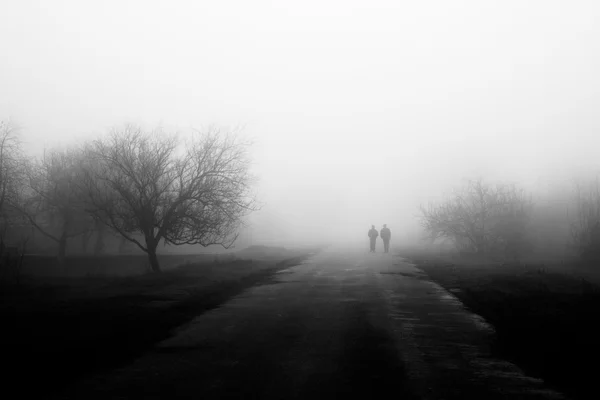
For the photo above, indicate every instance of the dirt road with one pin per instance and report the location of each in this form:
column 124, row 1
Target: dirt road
column 341, row 325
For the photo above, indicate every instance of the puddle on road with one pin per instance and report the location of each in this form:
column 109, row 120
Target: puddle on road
column 449, row 298
column 481, row 323
column 405, row 274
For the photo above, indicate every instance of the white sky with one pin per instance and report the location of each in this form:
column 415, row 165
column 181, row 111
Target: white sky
column 360, row 109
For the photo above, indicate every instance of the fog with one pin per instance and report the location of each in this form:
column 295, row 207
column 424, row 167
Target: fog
column 359, row 110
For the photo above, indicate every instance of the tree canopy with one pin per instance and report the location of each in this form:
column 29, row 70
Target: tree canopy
column 146, row 183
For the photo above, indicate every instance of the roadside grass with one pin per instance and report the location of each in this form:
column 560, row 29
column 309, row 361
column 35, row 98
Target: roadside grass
column 116, row 265
column 546, row 319
column 58, row 330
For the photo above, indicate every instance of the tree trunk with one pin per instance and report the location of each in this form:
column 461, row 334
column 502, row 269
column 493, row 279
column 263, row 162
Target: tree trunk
column 153, row 259
column 151, row 245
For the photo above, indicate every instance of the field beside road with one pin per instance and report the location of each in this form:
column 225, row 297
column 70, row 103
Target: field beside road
column 546, row 317
column 57, row 330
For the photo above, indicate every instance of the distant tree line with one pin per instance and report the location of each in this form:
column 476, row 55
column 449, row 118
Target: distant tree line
column 585, row 226
column 483, row 219
column 128, row 187
column 499, row 221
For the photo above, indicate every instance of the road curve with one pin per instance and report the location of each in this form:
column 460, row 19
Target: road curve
column 343, row 324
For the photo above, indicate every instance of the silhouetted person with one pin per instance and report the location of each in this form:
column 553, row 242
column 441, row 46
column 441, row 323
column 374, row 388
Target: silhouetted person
column 386, row 235
column 373, row 236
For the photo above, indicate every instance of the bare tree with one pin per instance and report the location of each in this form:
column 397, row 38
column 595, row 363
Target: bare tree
column 481, row 219
column 510, row 222
column 146, row 184
column 462, row 218
column 585, row 225
column 13, row 231
column 11, row 173
column 54, row 205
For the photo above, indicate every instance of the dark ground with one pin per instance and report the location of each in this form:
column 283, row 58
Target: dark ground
column 340, row 325
column 78, row 266
column 546, row 317
column 56, row 331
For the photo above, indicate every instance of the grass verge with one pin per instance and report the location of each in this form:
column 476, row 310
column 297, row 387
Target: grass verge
column 546, row 322
column 57, row 331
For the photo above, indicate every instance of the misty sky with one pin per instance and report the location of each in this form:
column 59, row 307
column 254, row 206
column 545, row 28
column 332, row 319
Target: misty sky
column 360, row 110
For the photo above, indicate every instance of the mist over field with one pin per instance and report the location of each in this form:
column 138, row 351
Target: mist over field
column 359, row 111
column 187, row 190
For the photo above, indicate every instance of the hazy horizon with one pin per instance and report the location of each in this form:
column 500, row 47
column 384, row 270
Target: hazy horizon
column 360, row 111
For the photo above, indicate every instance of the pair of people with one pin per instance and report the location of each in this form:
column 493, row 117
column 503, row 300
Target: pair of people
column 386, row 235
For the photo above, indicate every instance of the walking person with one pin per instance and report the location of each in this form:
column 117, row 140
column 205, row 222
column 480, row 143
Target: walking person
column 373, row 236
column 386, row 235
